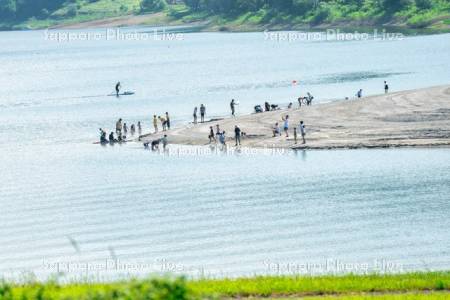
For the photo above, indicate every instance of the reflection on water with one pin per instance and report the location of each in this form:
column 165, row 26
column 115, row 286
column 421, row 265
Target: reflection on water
column 208, row 213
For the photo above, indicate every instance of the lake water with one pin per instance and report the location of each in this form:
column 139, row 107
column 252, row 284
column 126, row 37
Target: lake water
column 67, row 205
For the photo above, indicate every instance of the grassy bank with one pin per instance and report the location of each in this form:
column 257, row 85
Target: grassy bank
column 435, row 18
column 404, row 286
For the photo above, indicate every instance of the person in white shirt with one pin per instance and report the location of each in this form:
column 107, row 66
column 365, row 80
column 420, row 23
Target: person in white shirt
column 302, row 131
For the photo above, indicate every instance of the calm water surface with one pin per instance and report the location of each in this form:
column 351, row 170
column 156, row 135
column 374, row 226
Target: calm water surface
column 64, row 200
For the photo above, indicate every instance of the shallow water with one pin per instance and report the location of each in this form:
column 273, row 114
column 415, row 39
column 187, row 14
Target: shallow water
column 192, row 212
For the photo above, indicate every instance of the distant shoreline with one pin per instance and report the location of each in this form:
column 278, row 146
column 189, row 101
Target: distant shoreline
column 415, row 118
column 216, row 24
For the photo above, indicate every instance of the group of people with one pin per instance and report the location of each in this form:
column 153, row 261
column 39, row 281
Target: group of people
column 121, row 133
column 165, row 122
column 202, row 114
column 215, row 135
column 359, row 93
column 267, row 107
column 219, row 136
column 122, row 130
column 307, row 100
column 165, row 125
column 285, row 120
column 155, row 143
column 271, row 107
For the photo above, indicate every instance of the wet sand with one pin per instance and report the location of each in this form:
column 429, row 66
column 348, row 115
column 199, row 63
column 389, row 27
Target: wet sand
column 416, row 118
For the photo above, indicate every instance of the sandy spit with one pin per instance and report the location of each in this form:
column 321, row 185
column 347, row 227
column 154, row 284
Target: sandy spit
column 415, row 118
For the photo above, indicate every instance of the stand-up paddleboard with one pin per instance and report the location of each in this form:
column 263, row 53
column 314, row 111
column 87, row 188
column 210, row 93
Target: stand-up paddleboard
column 122, row 94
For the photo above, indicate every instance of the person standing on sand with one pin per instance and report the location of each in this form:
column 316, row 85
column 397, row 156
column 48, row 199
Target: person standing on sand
column 125, row 128
column 386, row 87
column 167, row 121
column 302, row 131
column 233, row 108
column 295, row 135
column 211, row 135
column 155, row 123
column 237, row 135
column 202, row 113
column 286, row 125
column 218, row 132
column 195, row 115
column 309, row 99
column 119, row 127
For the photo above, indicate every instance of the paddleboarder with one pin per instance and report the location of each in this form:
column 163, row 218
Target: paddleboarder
column 118, row 88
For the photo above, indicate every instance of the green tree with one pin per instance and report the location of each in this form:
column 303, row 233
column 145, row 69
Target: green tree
column 153, row 5
column 424, row 4
column 8, row 9
column 391, row 6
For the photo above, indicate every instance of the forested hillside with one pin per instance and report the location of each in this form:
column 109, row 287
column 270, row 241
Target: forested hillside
column 410, row 13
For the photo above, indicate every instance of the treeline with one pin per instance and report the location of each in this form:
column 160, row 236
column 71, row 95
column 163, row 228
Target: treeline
column 24, row 9
column 297, row 6
column 236, row 7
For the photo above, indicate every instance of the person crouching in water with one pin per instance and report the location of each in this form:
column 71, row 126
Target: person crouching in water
column 112, row 140
column 155, row 145
column 103, row 139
